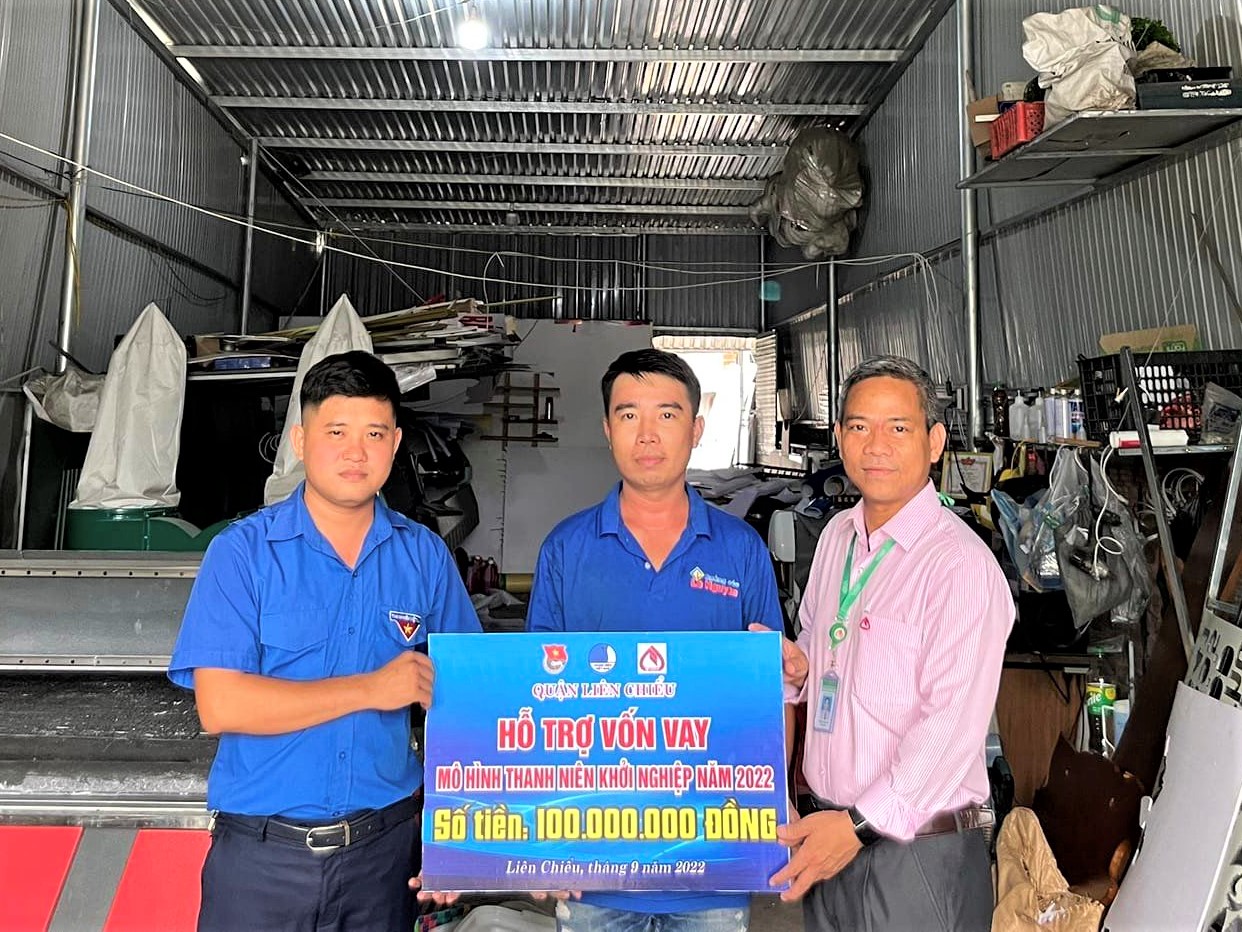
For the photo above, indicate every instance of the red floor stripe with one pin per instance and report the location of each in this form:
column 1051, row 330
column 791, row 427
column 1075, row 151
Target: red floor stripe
column 160, row 889
column 34, row 862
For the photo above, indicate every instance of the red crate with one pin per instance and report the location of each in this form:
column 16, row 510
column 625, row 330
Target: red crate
column 1019, row 124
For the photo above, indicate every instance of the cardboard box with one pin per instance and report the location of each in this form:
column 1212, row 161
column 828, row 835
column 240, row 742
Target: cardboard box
column 981, row 113
column 1159, row 339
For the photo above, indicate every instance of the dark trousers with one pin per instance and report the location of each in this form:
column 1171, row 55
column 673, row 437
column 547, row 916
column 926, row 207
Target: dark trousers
column 936, row 883
column 257, row 883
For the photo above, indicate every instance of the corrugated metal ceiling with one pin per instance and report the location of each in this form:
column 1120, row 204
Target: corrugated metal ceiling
column 579, row 113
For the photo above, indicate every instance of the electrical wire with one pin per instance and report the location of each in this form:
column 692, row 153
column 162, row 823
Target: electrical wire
column 931, row 289
column 1179, row 490
column 1109, row 491
column 27, row 203
column 414, row 266
column 757, row 272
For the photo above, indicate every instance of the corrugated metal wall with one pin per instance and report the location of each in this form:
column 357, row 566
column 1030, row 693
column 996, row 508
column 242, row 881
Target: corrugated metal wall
column 148, row 128
column 1128, row 258
column 766, row 380
column 808, row 339
column 671, row 281
column 151, row 129
column 910, row 153
column 705, row 258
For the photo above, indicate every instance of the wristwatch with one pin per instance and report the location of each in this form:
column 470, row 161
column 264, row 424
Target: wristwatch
column 862, row 828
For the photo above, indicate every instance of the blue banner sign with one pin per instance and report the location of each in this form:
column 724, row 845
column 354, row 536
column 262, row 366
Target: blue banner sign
column 605, row 761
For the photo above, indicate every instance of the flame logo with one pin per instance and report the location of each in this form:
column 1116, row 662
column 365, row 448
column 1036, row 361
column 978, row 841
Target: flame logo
column 652, row 660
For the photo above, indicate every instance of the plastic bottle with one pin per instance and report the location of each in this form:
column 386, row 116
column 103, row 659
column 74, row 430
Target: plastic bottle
column 1036, row 425
column 491, row 576
column 1051, row 427
column 1000, row 411
column 1017, row 418
column 1077, row 416
column 1101, row 696
column 1063, row 416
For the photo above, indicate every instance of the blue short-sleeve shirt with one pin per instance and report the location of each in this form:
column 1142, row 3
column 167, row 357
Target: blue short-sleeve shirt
column 592, row 575
column 273, row 598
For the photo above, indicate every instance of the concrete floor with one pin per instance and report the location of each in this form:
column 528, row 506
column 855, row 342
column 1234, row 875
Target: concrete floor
column 769, row 914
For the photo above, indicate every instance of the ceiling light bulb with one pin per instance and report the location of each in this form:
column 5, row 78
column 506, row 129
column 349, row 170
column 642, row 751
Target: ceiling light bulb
column 472, row 32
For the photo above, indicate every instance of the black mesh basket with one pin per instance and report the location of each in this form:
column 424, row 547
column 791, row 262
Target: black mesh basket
column 1171, row 384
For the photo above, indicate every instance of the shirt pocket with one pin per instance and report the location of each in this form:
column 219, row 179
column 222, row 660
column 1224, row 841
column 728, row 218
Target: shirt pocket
column 886, row 676
column 292, row 645
column 406, row 627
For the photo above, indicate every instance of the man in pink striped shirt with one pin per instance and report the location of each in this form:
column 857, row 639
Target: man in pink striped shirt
column 904, row 624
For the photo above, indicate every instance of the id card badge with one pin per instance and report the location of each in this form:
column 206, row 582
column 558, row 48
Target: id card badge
column 826, row 705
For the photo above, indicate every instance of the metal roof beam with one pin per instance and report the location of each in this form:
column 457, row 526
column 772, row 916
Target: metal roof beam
column 379, row 203
column 556, row 230
column 337, row 53
column 674, row 150
column 564, row 181
column 706, row 108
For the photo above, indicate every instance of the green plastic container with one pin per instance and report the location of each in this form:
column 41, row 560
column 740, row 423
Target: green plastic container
column 149, row 529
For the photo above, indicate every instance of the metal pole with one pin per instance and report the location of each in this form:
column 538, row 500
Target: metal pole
column 834, row 343
column 763, row 281
column 323, row 284
column 1171, row 577
column 970, row 220
column 1228, row 510
column 83, row 106
column 23, row 480
column 248, row 249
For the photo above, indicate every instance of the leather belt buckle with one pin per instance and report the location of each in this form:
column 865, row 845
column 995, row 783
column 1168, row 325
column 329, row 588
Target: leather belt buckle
column 314, row 834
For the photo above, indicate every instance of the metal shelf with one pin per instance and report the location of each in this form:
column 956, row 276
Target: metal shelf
column 1089, row 147
column 1202, row 448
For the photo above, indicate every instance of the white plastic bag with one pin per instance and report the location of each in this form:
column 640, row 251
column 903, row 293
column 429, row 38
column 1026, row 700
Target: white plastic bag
column 131, row 461
column 341, row 331
column 1082, row 56
column 69, row 400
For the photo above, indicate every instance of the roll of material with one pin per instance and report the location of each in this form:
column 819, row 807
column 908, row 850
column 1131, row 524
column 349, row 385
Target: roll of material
column 516, row 583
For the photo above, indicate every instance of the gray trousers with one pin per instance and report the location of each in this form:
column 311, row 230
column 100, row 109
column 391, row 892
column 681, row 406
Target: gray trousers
column 939, row 883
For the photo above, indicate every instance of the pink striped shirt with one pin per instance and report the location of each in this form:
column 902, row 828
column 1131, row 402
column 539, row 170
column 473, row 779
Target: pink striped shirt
column 919, row 669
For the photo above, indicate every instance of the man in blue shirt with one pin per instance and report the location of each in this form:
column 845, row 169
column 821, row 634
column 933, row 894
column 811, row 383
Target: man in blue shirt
column 301, row 641
column 653, row 556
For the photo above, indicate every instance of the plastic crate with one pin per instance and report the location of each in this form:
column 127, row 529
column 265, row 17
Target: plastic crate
column 1172, row 386
column 1019, row 124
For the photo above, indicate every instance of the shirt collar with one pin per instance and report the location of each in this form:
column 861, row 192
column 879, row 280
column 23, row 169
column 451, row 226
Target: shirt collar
column 291, row 519
column 915, row 519
column 609, row 521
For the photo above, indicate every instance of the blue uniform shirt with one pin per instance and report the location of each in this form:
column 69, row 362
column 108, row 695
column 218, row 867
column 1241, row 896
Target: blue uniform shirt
column 273, row 598
column 592, row 575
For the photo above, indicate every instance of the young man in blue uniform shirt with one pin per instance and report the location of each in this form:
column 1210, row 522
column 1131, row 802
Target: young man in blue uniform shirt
column 302, row 642
column 638, row 561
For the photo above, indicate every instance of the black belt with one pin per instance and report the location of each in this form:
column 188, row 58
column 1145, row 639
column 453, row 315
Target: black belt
column 324, row 839
column 944, row 823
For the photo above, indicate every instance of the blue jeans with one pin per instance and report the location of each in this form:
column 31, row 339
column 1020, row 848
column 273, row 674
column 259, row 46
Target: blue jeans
column 573, row 916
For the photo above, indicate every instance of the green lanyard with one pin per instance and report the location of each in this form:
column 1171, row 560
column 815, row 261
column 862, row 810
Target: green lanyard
column 849, row 594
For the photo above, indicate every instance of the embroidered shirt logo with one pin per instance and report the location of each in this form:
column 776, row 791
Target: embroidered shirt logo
column 716, row 585
column 407, row 623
